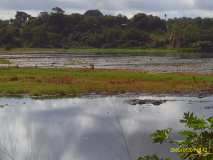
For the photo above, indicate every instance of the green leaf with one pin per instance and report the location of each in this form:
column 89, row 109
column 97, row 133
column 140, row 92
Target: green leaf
column 161, row 135
column 188, row 134
column 192, row 121
column 210, row 120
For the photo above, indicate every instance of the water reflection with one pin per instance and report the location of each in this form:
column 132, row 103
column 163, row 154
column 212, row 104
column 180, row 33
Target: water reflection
column 100, row 128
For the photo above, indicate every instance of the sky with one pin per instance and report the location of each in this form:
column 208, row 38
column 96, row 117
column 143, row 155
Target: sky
column 173, row 8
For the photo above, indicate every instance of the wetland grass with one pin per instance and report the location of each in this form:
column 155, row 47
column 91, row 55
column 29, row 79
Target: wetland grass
column 62, row 82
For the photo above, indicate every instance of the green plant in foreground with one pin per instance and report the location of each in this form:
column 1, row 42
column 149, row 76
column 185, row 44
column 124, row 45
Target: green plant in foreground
column 197, row 142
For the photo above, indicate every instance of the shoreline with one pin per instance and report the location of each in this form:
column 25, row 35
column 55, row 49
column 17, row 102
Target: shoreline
column 102, row 95
column 105, row 51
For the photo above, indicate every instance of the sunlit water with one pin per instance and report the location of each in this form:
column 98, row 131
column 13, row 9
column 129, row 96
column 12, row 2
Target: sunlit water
column 89, row 128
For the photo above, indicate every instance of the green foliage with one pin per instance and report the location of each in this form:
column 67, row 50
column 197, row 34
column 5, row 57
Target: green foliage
column 210, row 120
column 95, row 13
column 199, row 137
column 192, row 121
column 94, row 29
column 148, row 22
column 188, row 32
column 30, row 81
column 57, row 10
column 21, row 19
column 161, row 135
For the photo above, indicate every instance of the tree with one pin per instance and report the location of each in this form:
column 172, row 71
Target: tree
column 54, row 40
column 57, row 10
column 21, row 18
column 148, row 22
column 56, row 21
column 142, row 30
column 9, row 37
column 95, row 13
column 39, row 37
column 43, row 17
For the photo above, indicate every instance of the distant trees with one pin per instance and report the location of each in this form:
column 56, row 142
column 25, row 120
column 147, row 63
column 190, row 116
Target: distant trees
column 149, row 23
column 95, row 13
column 21, row 19
column 94, row 29
column 58, row 10
column 188, row 32
column 10, row 37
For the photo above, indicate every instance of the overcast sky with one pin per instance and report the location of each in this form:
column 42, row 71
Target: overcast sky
column 173, row 8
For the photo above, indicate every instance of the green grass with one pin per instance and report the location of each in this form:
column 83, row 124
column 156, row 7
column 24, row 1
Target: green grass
column 4, row 61
column 102, row 74
column 137, row 51
column 63, row 82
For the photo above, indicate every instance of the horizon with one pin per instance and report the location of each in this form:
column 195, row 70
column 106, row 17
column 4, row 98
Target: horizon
column 174, row 8
column 36, row 14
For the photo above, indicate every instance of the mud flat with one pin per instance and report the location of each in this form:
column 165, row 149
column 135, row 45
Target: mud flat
column 146, row 63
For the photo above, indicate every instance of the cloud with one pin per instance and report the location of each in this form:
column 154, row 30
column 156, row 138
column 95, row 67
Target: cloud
column 128, row 7
column 39, row 4
column 162, row 5
column 203, row 4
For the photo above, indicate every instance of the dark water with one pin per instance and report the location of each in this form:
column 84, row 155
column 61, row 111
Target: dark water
column 89, row 128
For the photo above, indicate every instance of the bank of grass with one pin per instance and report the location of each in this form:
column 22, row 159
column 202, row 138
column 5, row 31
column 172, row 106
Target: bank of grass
column 131, row 51
column 67, row 82
column 4, row 61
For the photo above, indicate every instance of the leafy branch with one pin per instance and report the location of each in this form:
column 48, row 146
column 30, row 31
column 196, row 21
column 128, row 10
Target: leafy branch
column 198, row 137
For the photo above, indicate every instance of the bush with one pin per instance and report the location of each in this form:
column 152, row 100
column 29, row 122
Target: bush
column 198, row 138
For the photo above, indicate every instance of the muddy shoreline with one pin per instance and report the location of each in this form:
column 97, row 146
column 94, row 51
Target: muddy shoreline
column 99, row 95
column 135, row 62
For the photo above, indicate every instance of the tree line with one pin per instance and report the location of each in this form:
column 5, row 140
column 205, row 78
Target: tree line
column 56, row 29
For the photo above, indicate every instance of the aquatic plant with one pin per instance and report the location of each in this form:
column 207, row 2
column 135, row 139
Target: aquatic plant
column 197, row 142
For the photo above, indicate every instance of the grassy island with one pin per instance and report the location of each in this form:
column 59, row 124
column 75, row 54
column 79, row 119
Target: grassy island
column 66, row 82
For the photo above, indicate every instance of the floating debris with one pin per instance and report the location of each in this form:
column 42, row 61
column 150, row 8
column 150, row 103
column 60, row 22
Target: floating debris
column 146, row 101
column 208, row 107
column 4, row 105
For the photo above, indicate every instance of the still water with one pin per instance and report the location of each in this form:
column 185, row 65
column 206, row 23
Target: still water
column 90, row 128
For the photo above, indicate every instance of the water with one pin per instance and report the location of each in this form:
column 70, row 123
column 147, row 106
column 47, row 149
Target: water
column 156, row 64
column 90, row 128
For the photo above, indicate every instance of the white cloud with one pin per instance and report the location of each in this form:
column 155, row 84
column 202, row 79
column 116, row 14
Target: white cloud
column 128, row 7
column 203, row 4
